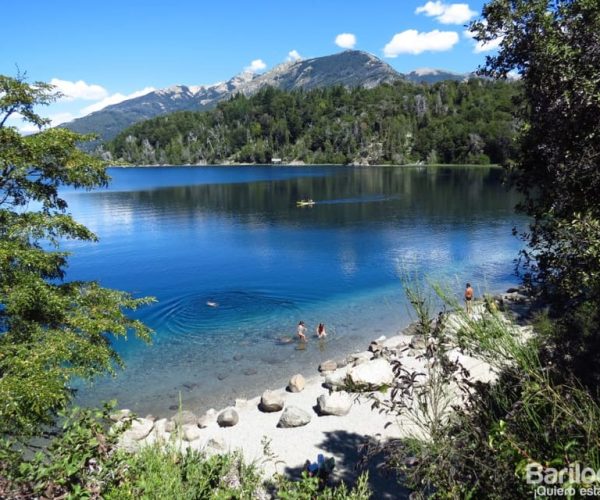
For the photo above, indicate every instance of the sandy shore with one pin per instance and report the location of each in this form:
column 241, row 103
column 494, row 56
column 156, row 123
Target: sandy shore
column 285, row 450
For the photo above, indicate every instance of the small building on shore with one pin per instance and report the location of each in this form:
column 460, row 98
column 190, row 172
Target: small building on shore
column 276, row 161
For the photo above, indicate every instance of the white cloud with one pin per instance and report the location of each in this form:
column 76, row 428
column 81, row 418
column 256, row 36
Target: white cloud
column 294, row 56
column 345, row 40
column 79, row 90
column 256, row 66
column 114, row 99
column 455, row 13
column 482, row 46
column 413, row 42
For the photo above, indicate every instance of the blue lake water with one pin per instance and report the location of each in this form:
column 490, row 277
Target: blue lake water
column 235, row 237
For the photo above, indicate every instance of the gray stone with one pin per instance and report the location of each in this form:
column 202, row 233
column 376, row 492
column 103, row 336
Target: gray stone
column 271, row 401
column 293, row 417
column 228, row 418
column 327, row 366
column 297, row 383
column 336, row 403
column 215, row 445
column 170, row 426
column 190, row 432
column 372, row 374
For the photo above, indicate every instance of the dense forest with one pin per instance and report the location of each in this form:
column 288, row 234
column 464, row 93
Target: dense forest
column 449, row 122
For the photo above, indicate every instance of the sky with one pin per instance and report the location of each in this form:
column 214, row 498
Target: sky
column 101, row 52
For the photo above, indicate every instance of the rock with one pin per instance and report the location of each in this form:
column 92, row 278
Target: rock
column 222, row 376
column 151, row 417
column 417, row 342
column 240, row 403
column 380, row 339
column 335, row 379
column 120, row 415
column 160, row 430
column 191, row 432
column 209, row 418
column 170, row 426
column 372, row 374
column 228, row 418
column 271, row 401
column 293, row 416
column 238, row 357
column 250, row 371
column 184, row 417
column 327, row 366
column 336, row 403
column 297, row 383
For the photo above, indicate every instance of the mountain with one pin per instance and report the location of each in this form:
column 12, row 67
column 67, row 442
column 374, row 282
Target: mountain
column 351, row 68
column 431, row 76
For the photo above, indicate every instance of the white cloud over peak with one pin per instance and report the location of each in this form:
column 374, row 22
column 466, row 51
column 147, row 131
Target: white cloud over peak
column 79, row 90
column 413, row 42
column 345, row 40
column 255, row 66
column 294, row 56
column 455, row 13
column 114, row 99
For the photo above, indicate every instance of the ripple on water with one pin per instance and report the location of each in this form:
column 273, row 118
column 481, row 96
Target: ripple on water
column 223, row 315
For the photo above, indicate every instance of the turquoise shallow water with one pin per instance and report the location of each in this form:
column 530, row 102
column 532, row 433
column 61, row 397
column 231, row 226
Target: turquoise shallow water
column 235, row 237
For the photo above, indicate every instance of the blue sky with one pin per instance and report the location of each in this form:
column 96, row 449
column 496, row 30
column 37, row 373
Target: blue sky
column 101, row 52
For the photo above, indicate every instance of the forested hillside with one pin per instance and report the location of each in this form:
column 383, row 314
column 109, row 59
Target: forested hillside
column 449, row 122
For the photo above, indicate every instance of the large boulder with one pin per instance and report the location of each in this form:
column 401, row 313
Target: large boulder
column 271, row 401
column 297, row 383
column 228, row 418
column 293, row 417
column 336, row 403
column 373, row 374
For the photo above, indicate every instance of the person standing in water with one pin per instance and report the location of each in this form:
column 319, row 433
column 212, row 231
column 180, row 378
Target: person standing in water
column 321, row 333
column 468, row 298
column 302, row 331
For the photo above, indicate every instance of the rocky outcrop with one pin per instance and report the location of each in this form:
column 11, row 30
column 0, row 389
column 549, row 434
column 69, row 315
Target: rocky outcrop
column 293, row 417
column 184, row 417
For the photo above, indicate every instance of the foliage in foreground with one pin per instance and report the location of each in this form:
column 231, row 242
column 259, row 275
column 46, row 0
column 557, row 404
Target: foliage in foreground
column 554, row 46
column 481, row 445
column 51, row 330
column 83, row 461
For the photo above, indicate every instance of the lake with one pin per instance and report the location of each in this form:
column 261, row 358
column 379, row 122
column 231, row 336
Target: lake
column 235, row 264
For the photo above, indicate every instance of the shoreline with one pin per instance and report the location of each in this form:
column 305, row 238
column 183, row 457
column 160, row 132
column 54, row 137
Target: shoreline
column 292, row 164
column 256, row 433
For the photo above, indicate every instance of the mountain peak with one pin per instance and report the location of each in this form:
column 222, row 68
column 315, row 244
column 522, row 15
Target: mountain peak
column 350, row 68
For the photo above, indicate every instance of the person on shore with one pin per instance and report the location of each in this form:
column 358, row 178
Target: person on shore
column 469, row 298
column 321, row 333
column 302, row 331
